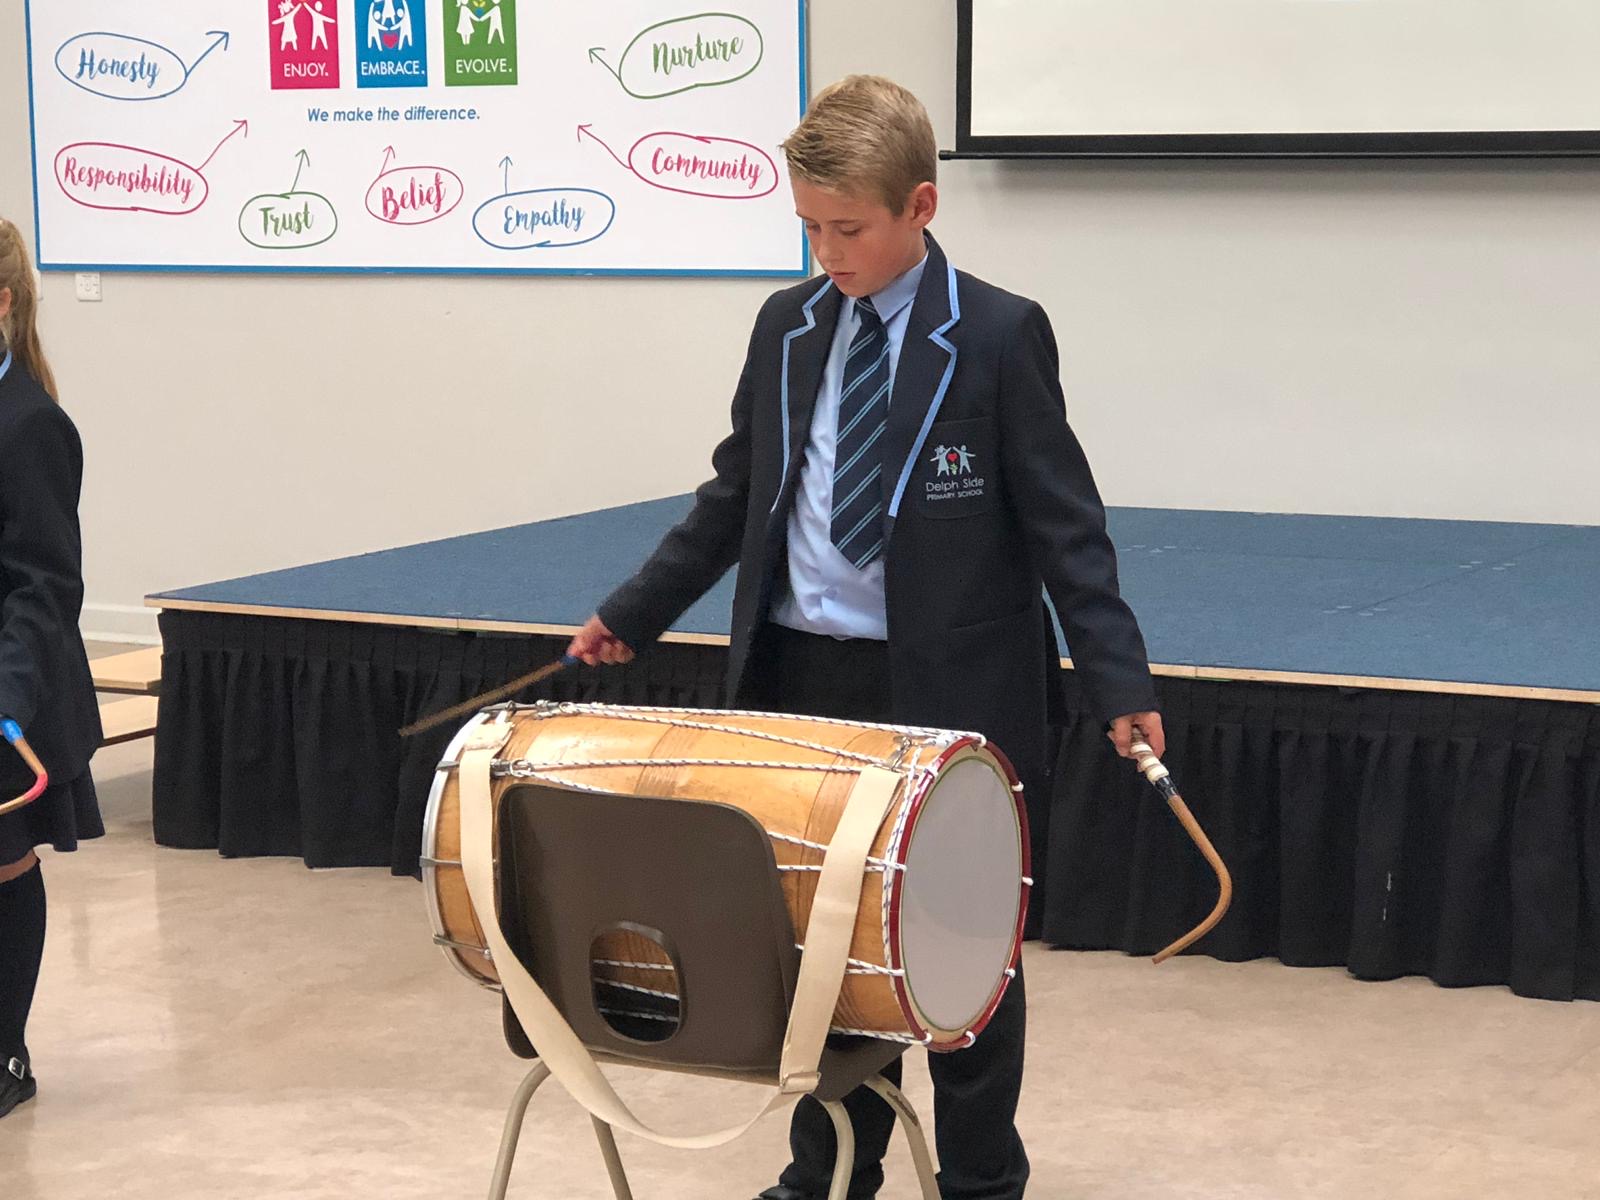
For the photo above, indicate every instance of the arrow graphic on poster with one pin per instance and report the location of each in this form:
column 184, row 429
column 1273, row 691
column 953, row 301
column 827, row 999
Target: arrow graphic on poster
column 302, row 161
column 588, row 131
column 542, row 218
column 238, row 127
column 118, row 66
column 691, row 164
column 594, row 57
column 219, row 38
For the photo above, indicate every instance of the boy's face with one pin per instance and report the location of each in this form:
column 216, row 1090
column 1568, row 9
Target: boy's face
column 858, row 240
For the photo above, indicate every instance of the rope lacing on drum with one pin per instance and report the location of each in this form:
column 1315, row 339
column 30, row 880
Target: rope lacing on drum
column 522, row 768
column 643, row 1016
column 873, row 864
column 856, row 966
column 715, row 727
column 632, row 987
column 873, row 867
column 903, row 1038
column 631, row 713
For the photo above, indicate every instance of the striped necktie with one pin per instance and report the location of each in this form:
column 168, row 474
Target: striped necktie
column 857, row 463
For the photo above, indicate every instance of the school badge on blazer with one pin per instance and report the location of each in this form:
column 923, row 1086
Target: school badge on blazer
column 956, row 474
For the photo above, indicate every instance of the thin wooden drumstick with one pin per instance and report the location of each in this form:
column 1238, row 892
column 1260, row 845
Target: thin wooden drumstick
column 1158, row 775
column 41, row 777
column 489, row 697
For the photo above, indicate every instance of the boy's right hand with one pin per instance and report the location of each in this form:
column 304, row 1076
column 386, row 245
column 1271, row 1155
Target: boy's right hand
column 595, row 644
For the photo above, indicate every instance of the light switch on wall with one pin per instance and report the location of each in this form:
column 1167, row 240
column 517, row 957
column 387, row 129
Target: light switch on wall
column 89, row 285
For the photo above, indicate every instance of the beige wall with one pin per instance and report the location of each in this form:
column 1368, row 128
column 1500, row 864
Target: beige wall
column 1411, row 339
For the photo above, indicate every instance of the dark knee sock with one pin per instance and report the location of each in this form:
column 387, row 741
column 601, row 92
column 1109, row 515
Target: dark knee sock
column 21, row 950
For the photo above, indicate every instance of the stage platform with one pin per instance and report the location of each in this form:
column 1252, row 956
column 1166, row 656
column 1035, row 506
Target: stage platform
column 1390, row 727
column 1474, row 607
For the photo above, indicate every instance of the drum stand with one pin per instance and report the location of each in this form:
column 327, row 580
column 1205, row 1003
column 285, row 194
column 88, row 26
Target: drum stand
column 843, row 1165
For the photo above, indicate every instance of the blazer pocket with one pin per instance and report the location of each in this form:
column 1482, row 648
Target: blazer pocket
column 958, row 471
column 994, row 624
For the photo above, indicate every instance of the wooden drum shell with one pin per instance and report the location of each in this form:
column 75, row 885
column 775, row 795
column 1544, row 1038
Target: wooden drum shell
column 775, row 781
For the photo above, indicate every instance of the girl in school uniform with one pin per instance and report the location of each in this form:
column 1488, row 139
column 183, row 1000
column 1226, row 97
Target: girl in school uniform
column 45, row 685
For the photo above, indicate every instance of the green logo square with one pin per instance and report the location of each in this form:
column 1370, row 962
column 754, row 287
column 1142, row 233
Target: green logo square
column 480, row 43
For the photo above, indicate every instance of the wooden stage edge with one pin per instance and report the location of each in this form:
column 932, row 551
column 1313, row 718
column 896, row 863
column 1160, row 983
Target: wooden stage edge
column 1170, row 670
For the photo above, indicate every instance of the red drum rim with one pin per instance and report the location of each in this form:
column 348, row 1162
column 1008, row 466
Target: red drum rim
column 893, row 944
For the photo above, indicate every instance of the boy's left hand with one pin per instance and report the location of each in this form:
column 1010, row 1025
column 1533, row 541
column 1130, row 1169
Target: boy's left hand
column 1147, row 725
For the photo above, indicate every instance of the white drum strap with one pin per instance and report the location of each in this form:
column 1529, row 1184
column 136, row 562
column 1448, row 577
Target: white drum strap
column 822, row 967
column 832, row 926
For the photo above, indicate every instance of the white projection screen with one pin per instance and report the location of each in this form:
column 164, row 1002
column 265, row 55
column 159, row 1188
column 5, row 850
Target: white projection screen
column 1100, row 78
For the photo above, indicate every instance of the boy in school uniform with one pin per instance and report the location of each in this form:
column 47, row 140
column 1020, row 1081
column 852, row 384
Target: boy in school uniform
column 899, row 485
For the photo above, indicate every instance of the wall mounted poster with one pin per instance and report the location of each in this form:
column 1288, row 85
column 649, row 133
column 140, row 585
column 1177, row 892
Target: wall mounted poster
column 635, row 137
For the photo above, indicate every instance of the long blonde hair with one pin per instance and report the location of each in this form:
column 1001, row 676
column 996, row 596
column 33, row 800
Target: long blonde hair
column 19, row 330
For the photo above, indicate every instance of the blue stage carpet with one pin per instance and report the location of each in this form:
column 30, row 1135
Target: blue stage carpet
column 1450, row 601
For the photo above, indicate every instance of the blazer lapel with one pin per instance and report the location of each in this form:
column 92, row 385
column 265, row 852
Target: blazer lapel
column 805, row 354
column 927, row 361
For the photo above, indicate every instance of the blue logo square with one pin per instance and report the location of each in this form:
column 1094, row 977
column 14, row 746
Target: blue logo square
column 391, row 43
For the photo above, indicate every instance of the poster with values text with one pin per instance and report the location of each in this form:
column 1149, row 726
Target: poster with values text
column 631, row 137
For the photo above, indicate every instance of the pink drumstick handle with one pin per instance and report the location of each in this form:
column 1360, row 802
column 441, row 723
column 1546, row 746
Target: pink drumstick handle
column 41, row 777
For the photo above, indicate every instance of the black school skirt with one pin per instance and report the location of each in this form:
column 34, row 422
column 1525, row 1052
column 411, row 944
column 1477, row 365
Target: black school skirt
column 66, row 814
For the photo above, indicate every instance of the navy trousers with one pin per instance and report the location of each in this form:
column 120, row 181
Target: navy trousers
column 975, row 1091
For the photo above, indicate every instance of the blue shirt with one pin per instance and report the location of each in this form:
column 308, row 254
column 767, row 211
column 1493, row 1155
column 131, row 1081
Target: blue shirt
column 826, row 594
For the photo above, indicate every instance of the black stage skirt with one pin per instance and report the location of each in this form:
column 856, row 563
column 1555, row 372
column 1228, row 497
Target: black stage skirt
column 1395, row 833
column 66, row 814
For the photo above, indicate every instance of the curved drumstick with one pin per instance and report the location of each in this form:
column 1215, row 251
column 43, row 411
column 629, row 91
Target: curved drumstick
column 41, row 777
column 1150, row 766
column 489, row 697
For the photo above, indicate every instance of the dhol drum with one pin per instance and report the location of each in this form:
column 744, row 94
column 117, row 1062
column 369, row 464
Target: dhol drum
column 946, row 886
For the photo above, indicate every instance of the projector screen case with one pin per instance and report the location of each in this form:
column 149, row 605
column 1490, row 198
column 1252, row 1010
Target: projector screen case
column 1276, row 78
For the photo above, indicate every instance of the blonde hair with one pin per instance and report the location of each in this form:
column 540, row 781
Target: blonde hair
column 865, row 135
column 19, row 330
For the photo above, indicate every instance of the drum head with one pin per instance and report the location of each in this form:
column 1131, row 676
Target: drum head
column 960, row 895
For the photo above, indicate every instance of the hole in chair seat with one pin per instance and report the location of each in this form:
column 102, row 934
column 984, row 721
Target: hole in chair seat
column 635, row 982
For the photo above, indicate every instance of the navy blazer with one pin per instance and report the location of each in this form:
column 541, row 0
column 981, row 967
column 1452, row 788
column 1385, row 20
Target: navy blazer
column 987, row 499
column 45, row 683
